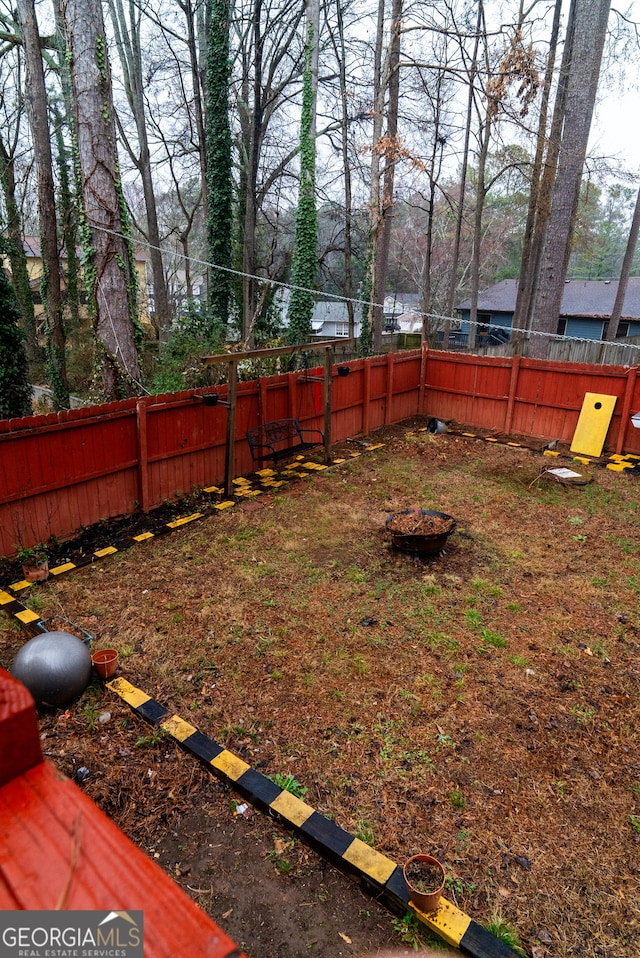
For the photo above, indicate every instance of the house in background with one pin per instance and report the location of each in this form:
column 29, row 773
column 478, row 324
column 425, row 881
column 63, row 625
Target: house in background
column 586, row 308
column 31, row 246
column 330, row 317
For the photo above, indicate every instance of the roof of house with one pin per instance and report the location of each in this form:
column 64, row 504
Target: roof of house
column 591, row 298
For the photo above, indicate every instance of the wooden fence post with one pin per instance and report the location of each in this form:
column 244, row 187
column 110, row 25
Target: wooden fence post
column 511, row 400
column 293, row 404
column 366, row 395
column 262, row 401
column 423, row 379
column 328, row 384
column 387, row 412
column 230, row 453
column 143, row 455
column 625, row 416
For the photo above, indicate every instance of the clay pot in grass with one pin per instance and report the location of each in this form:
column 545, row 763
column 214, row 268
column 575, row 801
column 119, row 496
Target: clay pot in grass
column 105, row 662
column 425, row 878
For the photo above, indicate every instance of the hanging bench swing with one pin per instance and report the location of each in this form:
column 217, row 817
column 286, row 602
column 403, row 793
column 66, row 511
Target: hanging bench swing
column 281, row 439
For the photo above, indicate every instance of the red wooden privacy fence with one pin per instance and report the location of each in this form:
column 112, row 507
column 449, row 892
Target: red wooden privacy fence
column 63, row 471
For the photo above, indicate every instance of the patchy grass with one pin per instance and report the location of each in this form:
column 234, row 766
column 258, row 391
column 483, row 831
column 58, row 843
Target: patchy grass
column 482, row 706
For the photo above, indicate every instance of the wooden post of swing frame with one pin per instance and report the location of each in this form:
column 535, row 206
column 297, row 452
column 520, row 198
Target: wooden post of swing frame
column 232, row 392
column 328, row 382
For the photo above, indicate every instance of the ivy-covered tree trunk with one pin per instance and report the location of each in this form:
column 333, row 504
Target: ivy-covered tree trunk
column 107, row 255
column 17, row 257
column 15, row 391
column 69, row 227
column 305, row 252
column 36, row 97
column 69, row 189
column 219, row 187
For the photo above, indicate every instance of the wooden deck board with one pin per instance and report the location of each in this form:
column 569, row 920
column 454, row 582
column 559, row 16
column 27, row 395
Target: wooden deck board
column 58, row 850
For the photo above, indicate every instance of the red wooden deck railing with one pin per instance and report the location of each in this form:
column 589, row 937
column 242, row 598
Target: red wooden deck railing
column 63, row 471
column 58, row 851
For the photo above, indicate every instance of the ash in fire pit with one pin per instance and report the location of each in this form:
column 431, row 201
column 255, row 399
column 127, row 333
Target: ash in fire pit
column 420, row 531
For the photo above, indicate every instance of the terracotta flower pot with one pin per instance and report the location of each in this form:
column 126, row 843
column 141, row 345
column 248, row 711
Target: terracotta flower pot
column 425, row 877
column 105, row 662
column 37, row 572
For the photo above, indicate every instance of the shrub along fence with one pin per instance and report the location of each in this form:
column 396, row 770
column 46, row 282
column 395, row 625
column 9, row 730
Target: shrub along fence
column 60, row 472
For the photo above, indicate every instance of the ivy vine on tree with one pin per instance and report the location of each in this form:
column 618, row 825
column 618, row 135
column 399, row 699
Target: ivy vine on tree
column 220, row 223
column 305, row 260
column 15, row 391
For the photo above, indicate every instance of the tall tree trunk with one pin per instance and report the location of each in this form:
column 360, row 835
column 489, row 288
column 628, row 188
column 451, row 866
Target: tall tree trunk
column 481, row 195
column 127, row 33
column 379, row 93
column 627, row 262
column 219, row 227
column 68, row 222
column 36, row 97
column 390, row 158
column 341, row 56
column 109, row 272
column 434, row 170
column 18, row 259
column 305, row 254
column 69, row 195
column 249, row 292
column 197, row 32
column 455, row 256
column 589, row 32
column 484, row 138
column 542, row 176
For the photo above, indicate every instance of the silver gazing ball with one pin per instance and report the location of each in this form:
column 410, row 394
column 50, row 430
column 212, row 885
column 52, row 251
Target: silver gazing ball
column 55, row 667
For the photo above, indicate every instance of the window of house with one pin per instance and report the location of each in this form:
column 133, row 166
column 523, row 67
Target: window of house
column 623, row 330
column 562, row 327
column 342, row 329
column 484, row 321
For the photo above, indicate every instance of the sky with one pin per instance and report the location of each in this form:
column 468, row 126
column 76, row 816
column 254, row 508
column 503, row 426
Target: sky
column 616, row 127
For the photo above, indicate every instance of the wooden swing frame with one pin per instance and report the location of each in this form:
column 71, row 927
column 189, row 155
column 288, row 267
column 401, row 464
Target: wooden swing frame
column 232, row 360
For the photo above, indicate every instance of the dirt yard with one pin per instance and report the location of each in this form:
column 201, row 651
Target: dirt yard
column 481, row 705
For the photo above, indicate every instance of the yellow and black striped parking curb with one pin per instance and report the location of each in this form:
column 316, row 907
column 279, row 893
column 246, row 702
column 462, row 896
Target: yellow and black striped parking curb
column 259, row 483
column 616, row 462
column 379, row 876
column 26, row 617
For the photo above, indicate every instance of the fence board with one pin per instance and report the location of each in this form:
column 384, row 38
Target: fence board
column 59, row 472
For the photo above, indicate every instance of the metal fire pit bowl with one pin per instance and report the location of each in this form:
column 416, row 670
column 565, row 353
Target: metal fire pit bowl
column 420, row 544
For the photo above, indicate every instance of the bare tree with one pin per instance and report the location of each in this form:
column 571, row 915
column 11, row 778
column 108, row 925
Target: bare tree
column 269, row 59
column 127, row 30
column 385, row 151
column 623, row 282
column 36, row 97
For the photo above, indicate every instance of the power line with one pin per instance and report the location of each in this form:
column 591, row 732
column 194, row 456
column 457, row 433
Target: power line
column 357, row 302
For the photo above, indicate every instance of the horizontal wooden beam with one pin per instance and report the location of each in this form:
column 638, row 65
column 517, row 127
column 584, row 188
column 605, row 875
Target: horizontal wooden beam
column 274, row 351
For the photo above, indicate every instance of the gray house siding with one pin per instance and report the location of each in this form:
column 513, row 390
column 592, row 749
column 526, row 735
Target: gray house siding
column 583, row 328
column 586, row 308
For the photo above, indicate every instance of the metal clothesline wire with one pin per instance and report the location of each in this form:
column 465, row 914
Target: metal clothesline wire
column 347, row 299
